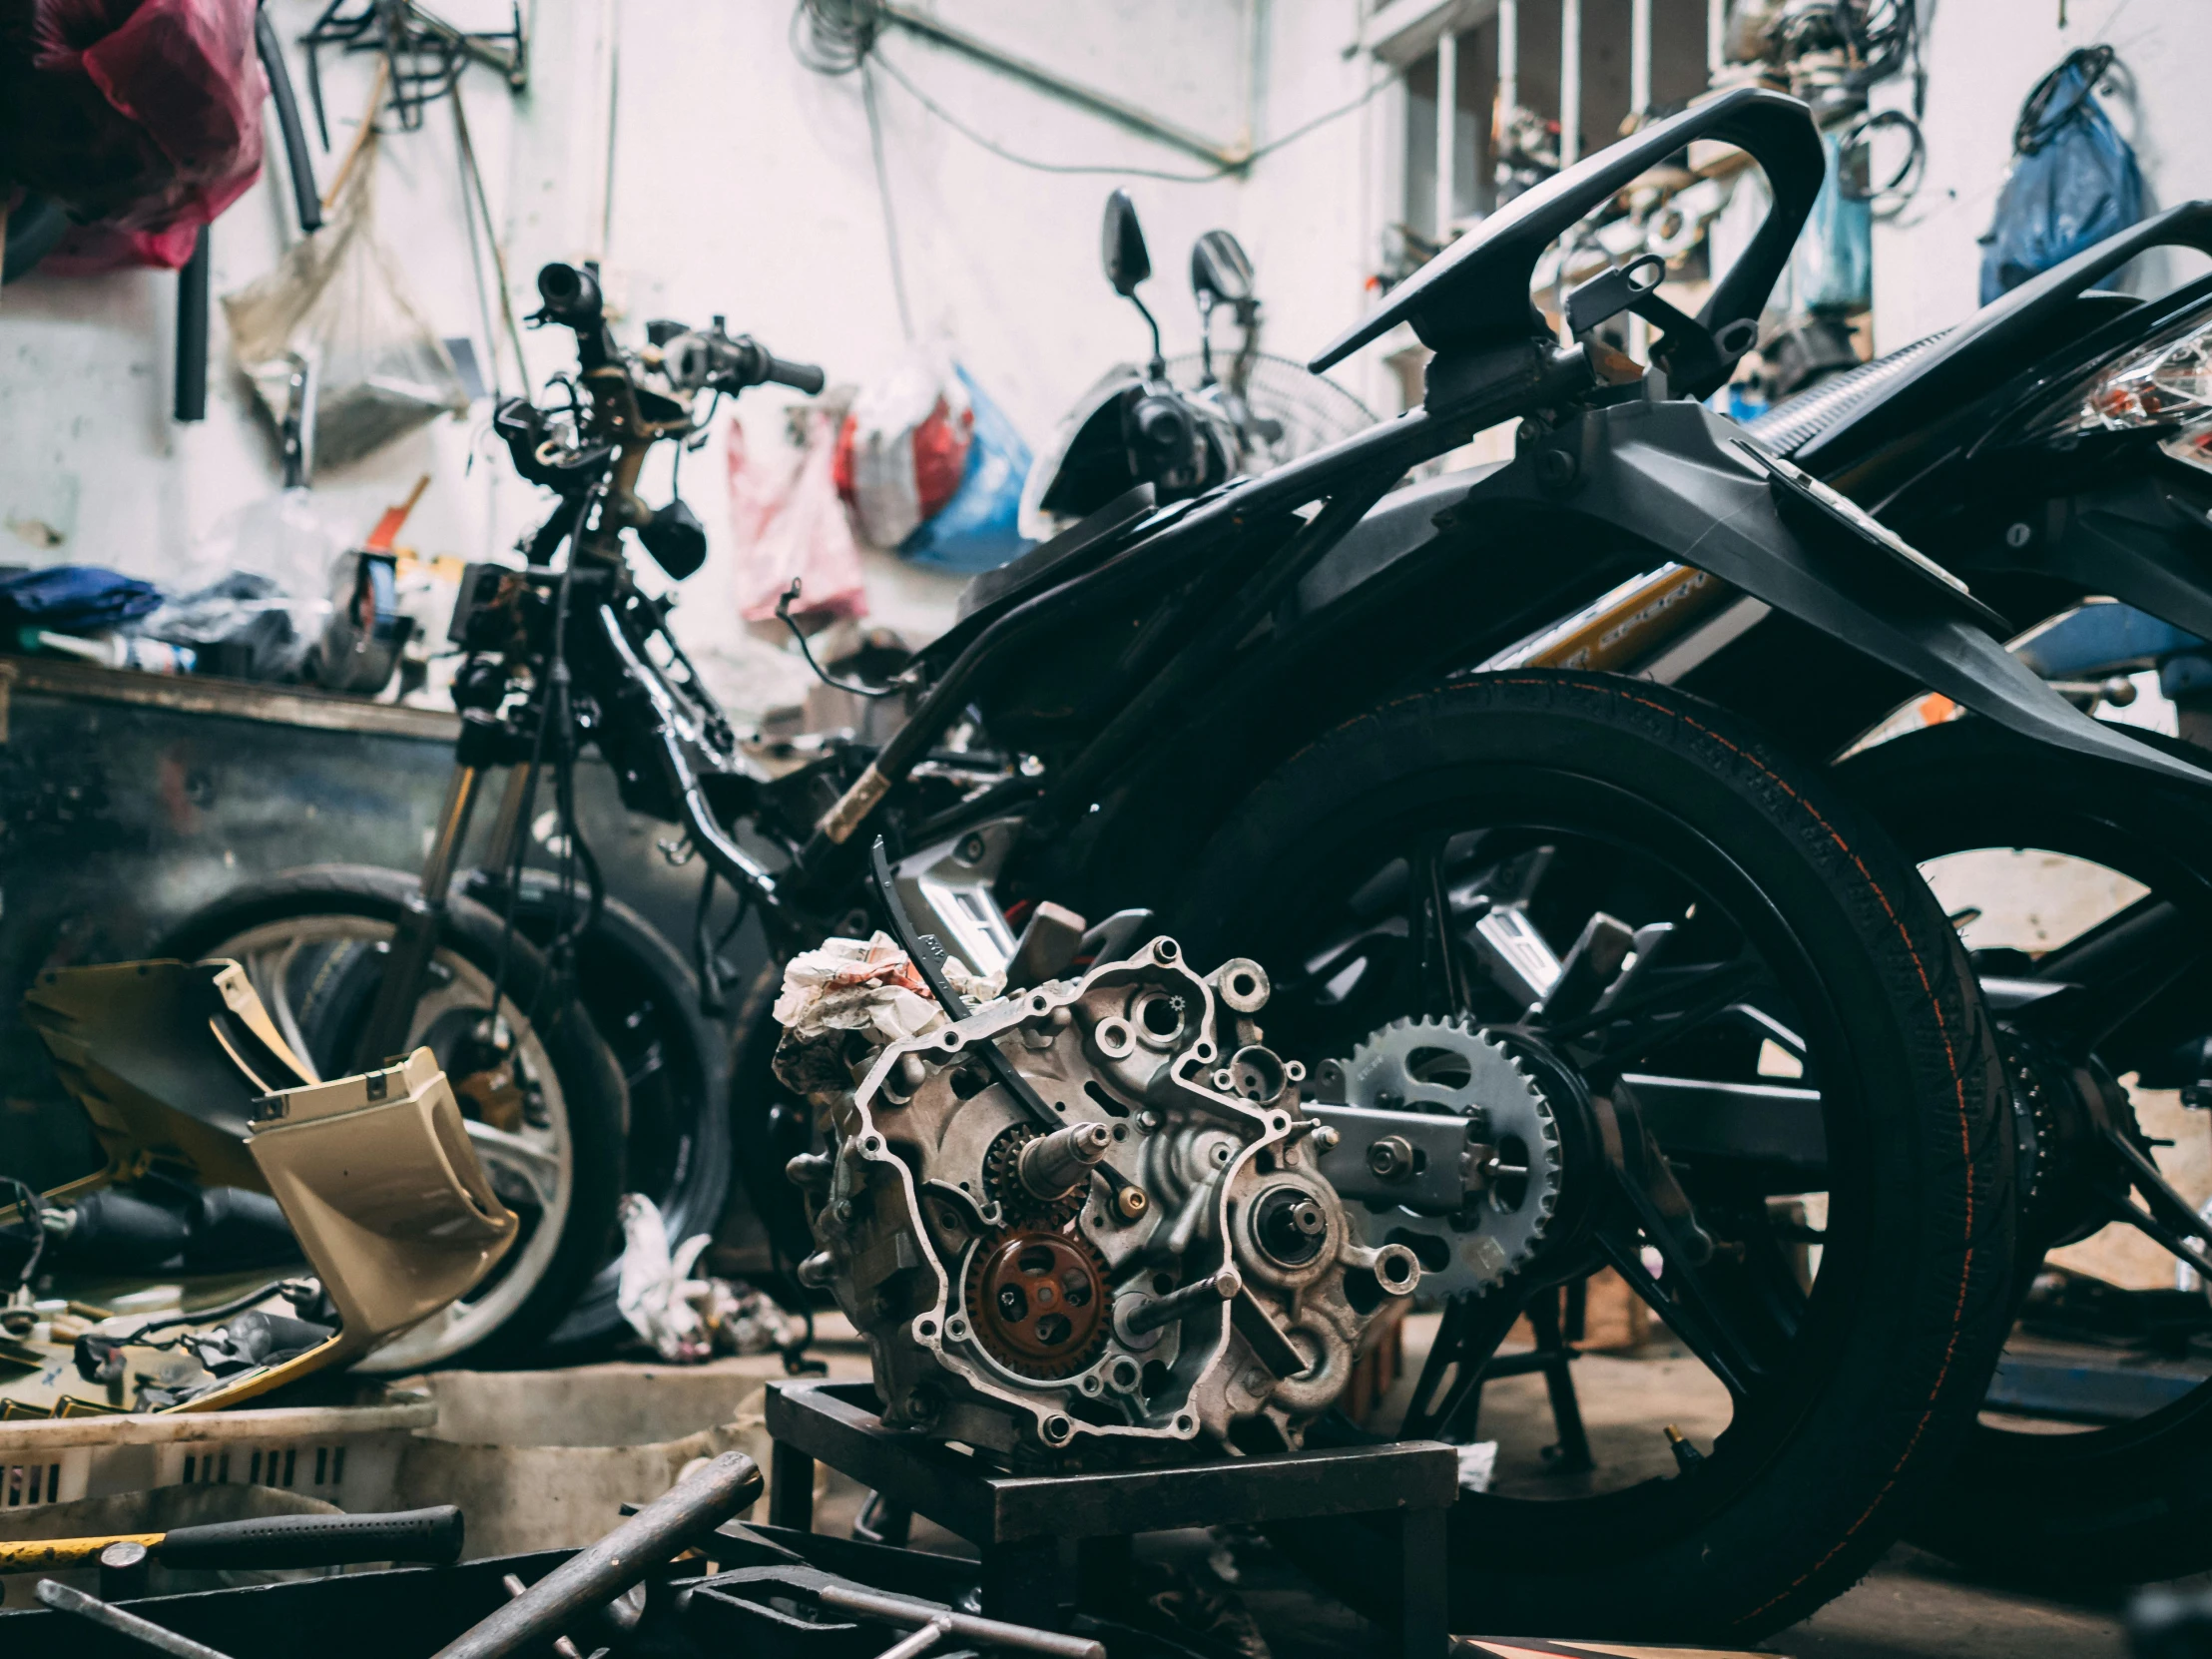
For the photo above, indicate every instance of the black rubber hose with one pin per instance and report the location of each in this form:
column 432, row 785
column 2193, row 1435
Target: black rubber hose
column 281, row 94
column 192, row 332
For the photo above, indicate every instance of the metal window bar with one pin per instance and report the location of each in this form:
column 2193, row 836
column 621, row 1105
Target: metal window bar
column 1447, row 132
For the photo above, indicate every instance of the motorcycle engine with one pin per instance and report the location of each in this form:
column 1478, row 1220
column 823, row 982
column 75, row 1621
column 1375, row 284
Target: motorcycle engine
column 1158, row 1259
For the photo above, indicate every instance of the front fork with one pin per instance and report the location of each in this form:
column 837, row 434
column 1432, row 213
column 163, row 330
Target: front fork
column 414, row 943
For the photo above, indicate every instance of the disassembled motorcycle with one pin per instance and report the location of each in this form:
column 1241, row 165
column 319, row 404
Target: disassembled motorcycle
column 226, row 1157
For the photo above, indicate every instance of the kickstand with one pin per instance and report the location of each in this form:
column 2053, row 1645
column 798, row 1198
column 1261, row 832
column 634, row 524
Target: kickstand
column 1554, row 1357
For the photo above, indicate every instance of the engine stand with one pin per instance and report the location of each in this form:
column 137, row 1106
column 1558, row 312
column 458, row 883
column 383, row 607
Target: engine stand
column 1018, row 1521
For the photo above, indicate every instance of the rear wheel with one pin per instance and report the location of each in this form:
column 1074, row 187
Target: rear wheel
column 2093, row 1459
column 541, row 1095
column 1777, row 1117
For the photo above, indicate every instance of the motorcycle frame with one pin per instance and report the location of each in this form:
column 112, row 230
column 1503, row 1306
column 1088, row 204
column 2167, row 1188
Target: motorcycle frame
column 1634, row 462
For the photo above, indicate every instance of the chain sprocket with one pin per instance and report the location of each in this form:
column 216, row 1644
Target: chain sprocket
column 1447, row 1065
column 1040, row 1301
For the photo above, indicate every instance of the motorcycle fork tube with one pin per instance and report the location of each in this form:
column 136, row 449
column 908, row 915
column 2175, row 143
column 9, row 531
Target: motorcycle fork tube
column 415, row 940
column 506, row 827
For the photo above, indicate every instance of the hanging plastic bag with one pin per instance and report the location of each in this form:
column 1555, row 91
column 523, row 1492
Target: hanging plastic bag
column 143, row 115
column 980, row 528
column 336, row 300
column 787, row 523
column 2076, row 181
column 904, row 450
column 1832, row 267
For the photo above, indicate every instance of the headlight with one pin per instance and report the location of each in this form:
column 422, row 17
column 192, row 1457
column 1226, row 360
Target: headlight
column 2164, row 384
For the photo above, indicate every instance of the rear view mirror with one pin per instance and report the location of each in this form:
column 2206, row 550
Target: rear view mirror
column 1121, row 245
column 1221, row 270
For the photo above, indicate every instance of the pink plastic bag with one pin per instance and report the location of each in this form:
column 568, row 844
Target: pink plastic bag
column 789, row 523
column 143, row 114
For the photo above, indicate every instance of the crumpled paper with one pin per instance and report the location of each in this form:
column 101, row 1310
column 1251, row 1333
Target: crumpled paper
column 687, row 1319
column 868, row 985
column 849, row 999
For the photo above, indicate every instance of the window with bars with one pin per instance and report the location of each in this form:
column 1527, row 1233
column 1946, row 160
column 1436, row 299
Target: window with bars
column 1506, row 124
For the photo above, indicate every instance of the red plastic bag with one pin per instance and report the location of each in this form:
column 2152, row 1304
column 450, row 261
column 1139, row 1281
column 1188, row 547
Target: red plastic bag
column 142, row 114
column 904, row 448
column 789, row 523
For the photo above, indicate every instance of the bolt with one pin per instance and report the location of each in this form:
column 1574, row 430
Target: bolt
column 1391, row 1158
column 2017, row 535
column 1132, row 1203
column 1201, row 1294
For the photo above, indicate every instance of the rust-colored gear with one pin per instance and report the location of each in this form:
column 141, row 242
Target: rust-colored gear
column 1023, row 1208
column 1039, row 1302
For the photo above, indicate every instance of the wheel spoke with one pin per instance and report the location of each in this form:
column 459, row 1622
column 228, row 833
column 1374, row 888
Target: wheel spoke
column 2166, row 1216
column 1672, row 1002
column 520, row 1171
column 1692, row 1313
column 1469, row 1333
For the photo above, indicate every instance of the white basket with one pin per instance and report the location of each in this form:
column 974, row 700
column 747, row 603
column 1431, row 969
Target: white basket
column 346, row 1455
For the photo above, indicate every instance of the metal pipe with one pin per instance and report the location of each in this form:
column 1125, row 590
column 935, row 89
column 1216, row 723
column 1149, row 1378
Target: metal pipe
column 1447, row 132
column 130, row 1626
column 622, row 1559
column 1639, row 60
column 932, row 28
column 1570, row 82
column 1023, row 1638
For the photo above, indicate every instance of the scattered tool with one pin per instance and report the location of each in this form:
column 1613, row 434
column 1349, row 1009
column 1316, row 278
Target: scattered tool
column 432, row 1536
column 592, row 1578
column 931, row 1623
column 63, row 1599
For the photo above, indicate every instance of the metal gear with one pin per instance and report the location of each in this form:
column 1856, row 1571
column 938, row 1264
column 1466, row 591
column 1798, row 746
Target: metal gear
column 1023, row 1208
column 1447, row 1065
column 1039, row 1302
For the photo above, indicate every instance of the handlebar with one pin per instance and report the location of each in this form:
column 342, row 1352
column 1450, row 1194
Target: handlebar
column 694, row 359
column 571, row 295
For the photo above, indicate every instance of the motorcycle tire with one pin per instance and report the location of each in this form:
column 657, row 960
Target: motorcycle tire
column 2131, row 1501
column 1816, row 1475
column 643, row 1000
column 312, row 943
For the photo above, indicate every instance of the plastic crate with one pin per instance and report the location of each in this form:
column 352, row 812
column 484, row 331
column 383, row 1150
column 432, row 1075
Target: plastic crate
column 345, row 1455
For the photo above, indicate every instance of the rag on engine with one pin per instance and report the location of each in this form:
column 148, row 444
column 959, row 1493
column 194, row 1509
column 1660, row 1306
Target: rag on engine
column 1154, row 1257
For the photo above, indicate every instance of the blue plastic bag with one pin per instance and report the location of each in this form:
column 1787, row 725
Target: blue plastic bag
column 2075, row 183
column 977, row 530
column 75, row 599
column 1832, row 267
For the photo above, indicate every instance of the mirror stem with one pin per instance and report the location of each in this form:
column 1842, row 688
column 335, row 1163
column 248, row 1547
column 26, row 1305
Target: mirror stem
column 1158, row 367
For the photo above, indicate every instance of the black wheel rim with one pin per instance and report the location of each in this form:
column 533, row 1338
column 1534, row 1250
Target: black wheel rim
column 1366, row 944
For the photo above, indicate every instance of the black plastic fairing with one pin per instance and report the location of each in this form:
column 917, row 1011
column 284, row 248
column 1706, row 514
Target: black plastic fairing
column 1476, row 293
column 1673, row 475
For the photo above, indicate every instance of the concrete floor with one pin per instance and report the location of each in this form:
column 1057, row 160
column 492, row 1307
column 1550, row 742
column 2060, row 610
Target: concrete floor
column 1911, row 1606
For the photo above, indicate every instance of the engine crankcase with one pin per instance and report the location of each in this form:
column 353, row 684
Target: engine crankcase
column 1157, row 1257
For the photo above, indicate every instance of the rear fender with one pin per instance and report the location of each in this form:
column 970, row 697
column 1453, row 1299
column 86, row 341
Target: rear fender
column 1686, row 482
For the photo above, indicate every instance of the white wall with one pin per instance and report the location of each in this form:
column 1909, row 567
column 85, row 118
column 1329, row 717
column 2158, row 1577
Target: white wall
column 744, row 184
column 1983, row 57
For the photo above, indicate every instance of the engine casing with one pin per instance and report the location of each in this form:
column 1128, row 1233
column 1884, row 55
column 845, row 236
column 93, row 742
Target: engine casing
column 1163, row 1260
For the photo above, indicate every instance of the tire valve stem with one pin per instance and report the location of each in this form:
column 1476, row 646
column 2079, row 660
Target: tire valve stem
column 1686, row 1456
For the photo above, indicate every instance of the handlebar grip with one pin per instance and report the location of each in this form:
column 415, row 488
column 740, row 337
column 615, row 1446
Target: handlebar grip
column 428, row 1535
column 803, row 377
column 571, row 294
